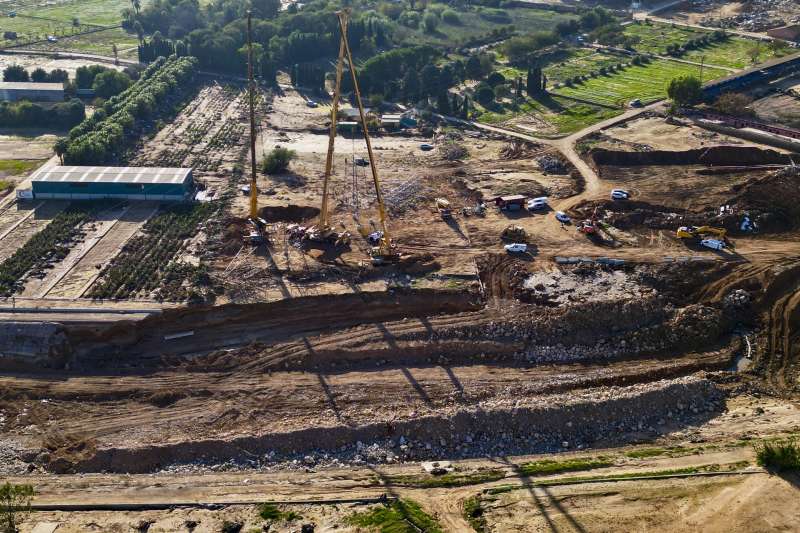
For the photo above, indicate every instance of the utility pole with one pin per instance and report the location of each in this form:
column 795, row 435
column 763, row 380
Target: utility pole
column 702, row 62
column 251, row 98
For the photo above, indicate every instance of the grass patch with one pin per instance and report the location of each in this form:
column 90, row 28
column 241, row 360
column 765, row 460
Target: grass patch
column 473, row 513
column 269, row 511
column 452, row 479
column 779, row 455
column 549, row 466
column 401, row 516
column 15, row 167
column 672, row 451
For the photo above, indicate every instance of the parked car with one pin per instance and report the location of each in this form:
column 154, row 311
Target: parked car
column 636, row 103
column 561, row 216
column 516, row 248
column 312, row 103
column 361, row 162
column 620, row 194
column 536, row 204
column 426, row 147
column 714, row 244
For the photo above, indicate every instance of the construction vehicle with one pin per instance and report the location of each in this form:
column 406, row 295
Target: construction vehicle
column 385, row 251
column 443, row 207
column 514, row 234
column 589, row 226
column 695, row 232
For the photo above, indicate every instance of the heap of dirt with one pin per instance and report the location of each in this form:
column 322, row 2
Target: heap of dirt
column 288, row 213
column 773, row 202
column 711, row 156
column 530, row 425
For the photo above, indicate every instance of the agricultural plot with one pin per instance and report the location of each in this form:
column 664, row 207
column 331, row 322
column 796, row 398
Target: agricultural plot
column 146, row 263
column 734, row 52
column 568, row 64
column 645, row 82
column 52, row 243
column 553, row 116
column 69, row 21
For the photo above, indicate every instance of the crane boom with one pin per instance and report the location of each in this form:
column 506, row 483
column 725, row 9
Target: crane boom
column 324, row 221
column 385, row 247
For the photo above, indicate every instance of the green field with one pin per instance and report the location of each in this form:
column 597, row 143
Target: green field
column 565, row 115
column 646, row 82
column 731, row 53
column 479, row 21
column 34, row 23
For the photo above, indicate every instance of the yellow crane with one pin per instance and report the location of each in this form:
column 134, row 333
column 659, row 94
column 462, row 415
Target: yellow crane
column 256, row 237
column 385, row 251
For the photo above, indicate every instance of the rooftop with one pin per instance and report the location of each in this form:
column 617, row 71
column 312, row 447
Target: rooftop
column 145, row 175
column 30, row 86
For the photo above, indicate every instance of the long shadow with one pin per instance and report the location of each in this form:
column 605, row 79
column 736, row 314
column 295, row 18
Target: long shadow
column 554, row 501
column 390, row 340
column 527, row 482
column 455, row 226
column 332, row 400
column 549, row 102
column 285, row 292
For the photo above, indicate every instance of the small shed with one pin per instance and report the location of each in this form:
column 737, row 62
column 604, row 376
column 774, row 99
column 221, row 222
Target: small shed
column 516, row 201
column 348, row 126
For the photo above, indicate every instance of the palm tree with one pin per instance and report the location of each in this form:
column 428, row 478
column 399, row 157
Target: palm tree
column 60, row 148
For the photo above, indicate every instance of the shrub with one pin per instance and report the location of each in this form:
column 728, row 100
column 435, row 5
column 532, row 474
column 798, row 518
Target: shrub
column 451, row 17
column 782, row 455
column 430, row 22
column 278, row 160
column 15, row 501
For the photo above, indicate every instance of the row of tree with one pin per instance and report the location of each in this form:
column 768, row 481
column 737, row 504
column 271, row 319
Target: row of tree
column 19, row 74
column 102, row 138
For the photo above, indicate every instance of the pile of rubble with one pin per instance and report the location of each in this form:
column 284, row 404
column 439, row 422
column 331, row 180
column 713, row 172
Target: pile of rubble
column 552, row 165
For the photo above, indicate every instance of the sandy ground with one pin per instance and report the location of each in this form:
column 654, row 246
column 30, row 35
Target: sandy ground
column 16, row 144
column 48, row 63
column 660, row 135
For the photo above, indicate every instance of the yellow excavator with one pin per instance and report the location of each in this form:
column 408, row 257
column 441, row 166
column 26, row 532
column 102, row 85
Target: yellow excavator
column 385, row 251
column 696, row 232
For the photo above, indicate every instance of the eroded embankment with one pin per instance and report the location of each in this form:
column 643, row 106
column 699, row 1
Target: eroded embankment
column 147, row 342
column 532, row 424
column 711, row 156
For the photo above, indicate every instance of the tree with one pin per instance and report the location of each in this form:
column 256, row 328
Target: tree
column 754, row 51
column 465, row 108
column 473, row 68
column 495, row 78
column 443, row 103
column 15, row 500
column 685, row 90
column 429, row 77
column 266, row 9
column 110, row 83
column 411, row 86
column 15, row 73
column 278, row 160
column 736, row 104
column 430, row 22
column 60, row 148
column 484, row 94
column 58, row 75
column 138, row 29
column 39, row 75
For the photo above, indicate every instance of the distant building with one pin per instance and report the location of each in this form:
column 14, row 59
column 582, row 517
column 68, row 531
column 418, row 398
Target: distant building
column 515, row 201
column 14, row 91
column 348, row 126
column 127, row 183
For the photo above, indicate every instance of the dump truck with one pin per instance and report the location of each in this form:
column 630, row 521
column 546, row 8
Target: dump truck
column 443, row 206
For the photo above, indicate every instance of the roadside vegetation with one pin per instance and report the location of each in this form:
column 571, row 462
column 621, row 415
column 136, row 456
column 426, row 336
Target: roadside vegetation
column 451, row 479
column 399, row 516
column 269, row 511
column 550, row 466
column 15, row 167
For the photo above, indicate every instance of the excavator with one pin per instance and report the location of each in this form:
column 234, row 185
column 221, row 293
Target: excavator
column 385, row 251
column 589, row 226
column 697, row 233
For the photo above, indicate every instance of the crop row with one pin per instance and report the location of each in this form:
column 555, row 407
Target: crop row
column 147, row 261
column 52, row 243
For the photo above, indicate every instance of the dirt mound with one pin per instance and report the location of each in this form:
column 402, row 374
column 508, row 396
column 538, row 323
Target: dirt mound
column 773, row 202
column 535, row 423
column 288, row 213
column 711, row 156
